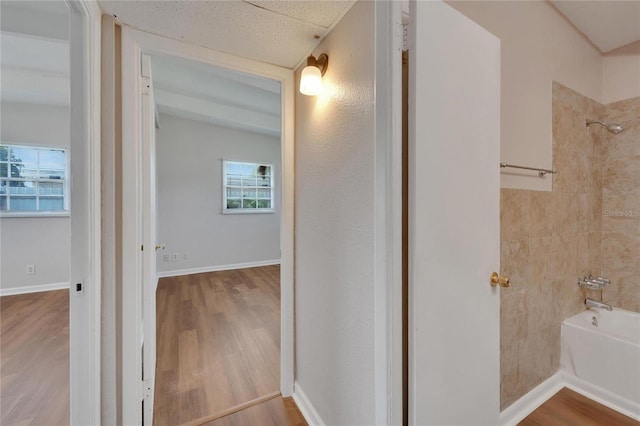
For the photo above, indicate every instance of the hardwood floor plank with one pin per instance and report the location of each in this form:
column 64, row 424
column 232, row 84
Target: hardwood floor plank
column 218, row 342
column 34, row 358
column 568, row 408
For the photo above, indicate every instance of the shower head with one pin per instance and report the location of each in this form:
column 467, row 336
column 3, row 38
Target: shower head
column 611, row 127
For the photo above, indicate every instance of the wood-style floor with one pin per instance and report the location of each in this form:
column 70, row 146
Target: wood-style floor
column 274, row 412
column 568, row 408
column 34, row 359
column 218, row 342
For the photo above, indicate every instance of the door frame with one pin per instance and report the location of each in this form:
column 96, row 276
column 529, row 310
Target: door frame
column 85, row 265
column 388, row 327
column 134, row 43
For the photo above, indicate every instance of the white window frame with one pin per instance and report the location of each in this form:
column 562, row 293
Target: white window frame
column 225, row 210
column 66, row 196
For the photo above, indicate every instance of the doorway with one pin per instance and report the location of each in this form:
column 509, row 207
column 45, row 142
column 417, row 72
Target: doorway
column 218, row 185
column 35, row 224
column 134, row 44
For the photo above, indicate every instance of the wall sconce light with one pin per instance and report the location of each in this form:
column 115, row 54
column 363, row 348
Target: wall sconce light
column 311, row 77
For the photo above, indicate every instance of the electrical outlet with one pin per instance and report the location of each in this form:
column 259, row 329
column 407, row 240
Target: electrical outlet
column 166, row 258
column 187, row 255
column 31, row 269
column 175, row 257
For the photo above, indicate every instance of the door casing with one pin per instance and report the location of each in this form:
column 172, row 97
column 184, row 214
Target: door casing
column 134, row 43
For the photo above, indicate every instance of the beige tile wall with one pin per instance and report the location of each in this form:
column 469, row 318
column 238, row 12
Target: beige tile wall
column 549, row 239
column 621, row 206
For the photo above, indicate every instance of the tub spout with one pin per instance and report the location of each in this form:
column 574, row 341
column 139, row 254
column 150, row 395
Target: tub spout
column 591, row 303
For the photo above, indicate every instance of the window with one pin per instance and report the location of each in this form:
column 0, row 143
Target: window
column 33, row 180
column 247, row 187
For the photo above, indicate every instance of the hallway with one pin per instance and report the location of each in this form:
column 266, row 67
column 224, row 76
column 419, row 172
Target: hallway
column 218, row 343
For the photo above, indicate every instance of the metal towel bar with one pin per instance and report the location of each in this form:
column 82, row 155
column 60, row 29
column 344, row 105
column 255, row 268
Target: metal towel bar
column 541, row 172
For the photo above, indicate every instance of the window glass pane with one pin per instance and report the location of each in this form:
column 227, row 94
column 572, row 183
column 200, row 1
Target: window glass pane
column 248, row 181
column 22, row 187
column 264, row 171
column 51, row 174
column 29, row 166
column 248, row 204
column 248, row 193
column 234, row 204
column 248, row 169
column 24, row 155
column 24, row 170
column 234, row 168
column 51, row 188
column 246, row 184
column 51, row 203
column 52, row 159
column 234, row 192
column 234, row 180
column 23, row 203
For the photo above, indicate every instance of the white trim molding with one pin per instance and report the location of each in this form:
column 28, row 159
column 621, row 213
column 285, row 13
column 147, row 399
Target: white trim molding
column 189, row 271
column 85, row 19
column 306, row 408
column 602, row 396
column 537, row 396
column 33, row 289
column 388, row 214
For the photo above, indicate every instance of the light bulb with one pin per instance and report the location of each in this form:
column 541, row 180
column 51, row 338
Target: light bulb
column 311, row 81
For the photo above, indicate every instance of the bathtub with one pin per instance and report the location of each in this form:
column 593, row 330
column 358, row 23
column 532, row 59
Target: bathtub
column 600, row 357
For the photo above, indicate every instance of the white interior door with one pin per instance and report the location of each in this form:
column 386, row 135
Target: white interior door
column 149, row 276
column 454, row 125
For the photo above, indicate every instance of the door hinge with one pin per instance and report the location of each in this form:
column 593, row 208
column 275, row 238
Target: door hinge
column 147, row 388
column 405, row 37
column 145, row 82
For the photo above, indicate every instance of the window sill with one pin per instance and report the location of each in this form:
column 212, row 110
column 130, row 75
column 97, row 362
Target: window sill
column 33, row 214
column 248, row 211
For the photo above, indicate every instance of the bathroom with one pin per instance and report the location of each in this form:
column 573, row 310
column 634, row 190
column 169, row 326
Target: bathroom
column 588, row 225
column 583, row 220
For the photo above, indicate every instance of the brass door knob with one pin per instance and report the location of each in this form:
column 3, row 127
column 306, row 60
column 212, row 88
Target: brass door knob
column 500, row 280
column 159, row 246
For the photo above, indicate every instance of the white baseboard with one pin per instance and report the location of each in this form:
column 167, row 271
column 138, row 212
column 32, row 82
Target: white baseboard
column 306, row 408
column 602, row 396
column 180, row 272
column 33, row 289
column 537, row 396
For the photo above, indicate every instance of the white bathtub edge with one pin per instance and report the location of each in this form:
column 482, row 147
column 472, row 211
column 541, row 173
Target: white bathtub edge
column 533, row 399
column 602, row 396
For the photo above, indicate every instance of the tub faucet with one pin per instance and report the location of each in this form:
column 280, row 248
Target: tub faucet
column 591, row 303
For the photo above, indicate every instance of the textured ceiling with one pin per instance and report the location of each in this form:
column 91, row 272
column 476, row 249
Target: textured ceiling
column 276, row 32
column 608, row 24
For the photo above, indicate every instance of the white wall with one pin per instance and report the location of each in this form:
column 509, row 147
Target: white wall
column 538, row 46
column 189, row 180
column 334, row 258
column 621, row 73
column 43, row 242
